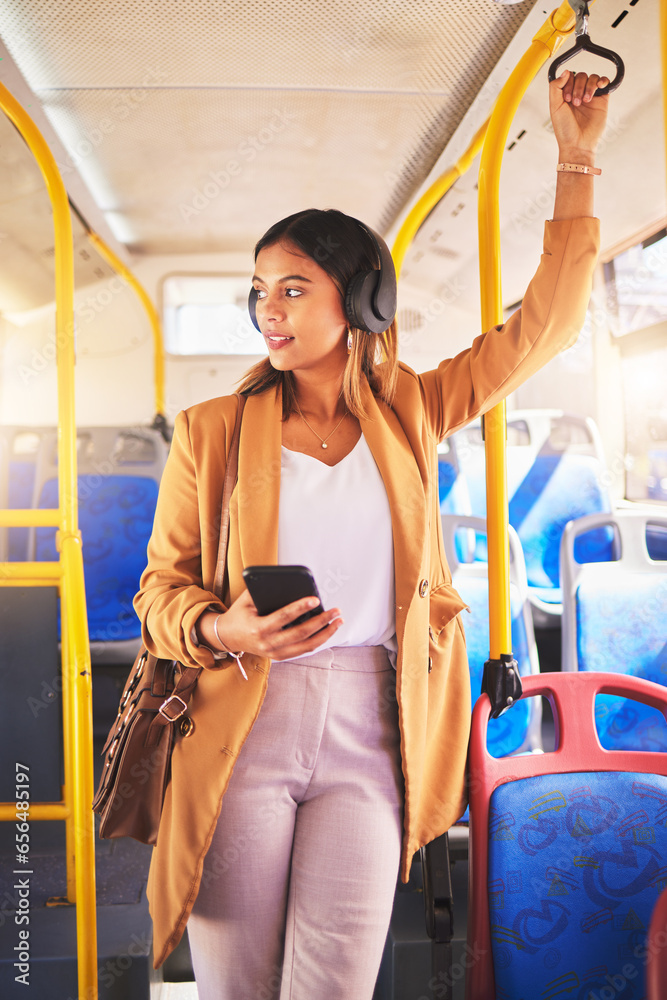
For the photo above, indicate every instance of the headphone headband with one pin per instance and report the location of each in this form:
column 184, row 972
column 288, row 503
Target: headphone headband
column 370, row 296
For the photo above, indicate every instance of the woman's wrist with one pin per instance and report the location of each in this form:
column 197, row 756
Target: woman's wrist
column 574, row 154
column 222, row 645
column 204, row 627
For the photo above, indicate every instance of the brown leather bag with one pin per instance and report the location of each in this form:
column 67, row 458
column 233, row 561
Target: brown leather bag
column 137, row 765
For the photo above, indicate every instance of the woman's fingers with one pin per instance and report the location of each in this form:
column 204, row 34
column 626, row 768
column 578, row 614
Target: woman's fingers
column 578, row 88
column 278, row 628
column 285, row 616
column 289, row 650
column 592, row 84
column 276, row 636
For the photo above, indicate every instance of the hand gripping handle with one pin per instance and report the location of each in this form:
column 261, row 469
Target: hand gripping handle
column 584, row 42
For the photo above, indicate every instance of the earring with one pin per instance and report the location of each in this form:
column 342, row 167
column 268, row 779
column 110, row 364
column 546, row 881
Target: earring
column 349, row 341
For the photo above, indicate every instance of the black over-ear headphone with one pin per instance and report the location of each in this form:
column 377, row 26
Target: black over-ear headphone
column 370, row 297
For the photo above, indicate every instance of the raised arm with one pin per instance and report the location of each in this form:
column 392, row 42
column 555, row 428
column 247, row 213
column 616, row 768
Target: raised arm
column 554, row 306
column 578, row 119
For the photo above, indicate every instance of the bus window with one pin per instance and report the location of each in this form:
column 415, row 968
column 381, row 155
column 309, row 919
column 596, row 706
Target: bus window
column 208, row 315
column 637, row 299
column 637, row 285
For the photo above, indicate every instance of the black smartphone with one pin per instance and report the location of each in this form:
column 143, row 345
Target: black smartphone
column 272, row 587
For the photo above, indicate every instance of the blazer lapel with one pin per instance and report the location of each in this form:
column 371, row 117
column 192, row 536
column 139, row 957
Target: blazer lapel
column 405, row 491
column 259, row 478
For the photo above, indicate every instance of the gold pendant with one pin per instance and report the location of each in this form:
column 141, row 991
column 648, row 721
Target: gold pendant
column 324, row 444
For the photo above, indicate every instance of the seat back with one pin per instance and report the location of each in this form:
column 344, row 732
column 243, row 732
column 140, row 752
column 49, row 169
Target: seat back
column 452, row 486
column 614, row 618
column 19, row 448
column 119, row 471
column 518, row 729
column 567, row 852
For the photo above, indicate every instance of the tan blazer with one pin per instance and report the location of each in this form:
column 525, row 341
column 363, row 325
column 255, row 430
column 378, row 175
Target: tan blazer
column 432, row 680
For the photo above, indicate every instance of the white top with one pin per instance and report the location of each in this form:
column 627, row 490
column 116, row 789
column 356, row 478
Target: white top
column 336, row 521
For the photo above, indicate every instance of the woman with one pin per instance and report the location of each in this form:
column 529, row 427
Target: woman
column 283, row 829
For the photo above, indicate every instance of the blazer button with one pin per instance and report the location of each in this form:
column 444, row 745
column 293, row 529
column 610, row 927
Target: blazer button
column 186, row 726
column 423, row 588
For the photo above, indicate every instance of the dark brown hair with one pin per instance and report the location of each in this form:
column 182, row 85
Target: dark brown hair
column 342, row 248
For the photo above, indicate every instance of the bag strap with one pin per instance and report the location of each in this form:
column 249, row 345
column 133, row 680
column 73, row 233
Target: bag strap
column 231, row 475
column 174, row 706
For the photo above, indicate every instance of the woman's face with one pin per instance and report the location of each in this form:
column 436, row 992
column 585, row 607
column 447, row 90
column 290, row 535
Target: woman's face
column 299, row 311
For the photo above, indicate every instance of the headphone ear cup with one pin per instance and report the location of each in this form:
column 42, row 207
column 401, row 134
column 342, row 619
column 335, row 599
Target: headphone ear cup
column 370, row 297
column 252, row 307
column 353, row 308
column 359, row 298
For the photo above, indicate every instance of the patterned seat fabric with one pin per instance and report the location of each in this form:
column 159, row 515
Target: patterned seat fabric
column 558, row 489
column 616, row 631
column 116, row 519
column 576, row 864
column 506, row 734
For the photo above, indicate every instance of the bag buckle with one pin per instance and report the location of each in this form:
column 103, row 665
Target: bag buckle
column 165, row 715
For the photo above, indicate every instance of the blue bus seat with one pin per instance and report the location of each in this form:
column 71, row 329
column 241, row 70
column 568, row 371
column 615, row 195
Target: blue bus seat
column 119, row 471
column 518, row 730
column 452, row 485
column 554, row 466
column 19, row 447
column 615, row 619
column 567, row 853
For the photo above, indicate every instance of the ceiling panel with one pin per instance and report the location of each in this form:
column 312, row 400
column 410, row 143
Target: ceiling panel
column 233, row 169
column 27, row 272
column 151, row 99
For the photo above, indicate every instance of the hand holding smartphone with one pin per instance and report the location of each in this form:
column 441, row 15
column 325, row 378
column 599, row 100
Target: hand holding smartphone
column 273, row 587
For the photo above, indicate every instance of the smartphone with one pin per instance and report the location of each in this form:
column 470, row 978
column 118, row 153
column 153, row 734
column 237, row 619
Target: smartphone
column 272, row 587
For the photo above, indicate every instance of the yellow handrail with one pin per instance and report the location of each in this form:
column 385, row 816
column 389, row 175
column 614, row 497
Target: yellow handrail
column 77, row 687
column 158, row 346
column 29, row 518
column 38, row 810
column 50, row 572
column 559, row 24
column 430, row 198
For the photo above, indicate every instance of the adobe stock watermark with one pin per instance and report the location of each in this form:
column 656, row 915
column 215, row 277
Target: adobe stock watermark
column 124, row 107
column 448, row 293
column 138, row 946
column 541, row 204
column 84, row 313
column 247, row 151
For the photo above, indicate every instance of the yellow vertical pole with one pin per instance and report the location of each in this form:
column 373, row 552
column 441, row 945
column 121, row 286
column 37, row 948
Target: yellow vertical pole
column 560, row 23
column 77, row 690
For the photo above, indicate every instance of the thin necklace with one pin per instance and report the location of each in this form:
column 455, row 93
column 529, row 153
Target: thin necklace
column 323, row 440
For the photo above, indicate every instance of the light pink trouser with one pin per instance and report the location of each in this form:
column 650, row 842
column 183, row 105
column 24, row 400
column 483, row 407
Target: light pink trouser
column 299, row 880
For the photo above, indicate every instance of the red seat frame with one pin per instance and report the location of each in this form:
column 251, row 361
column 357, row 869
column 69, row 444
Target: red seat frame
column 572, row 699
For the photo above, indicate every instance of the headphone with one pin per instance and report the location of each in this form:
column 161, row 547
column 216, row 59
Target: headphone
column 370, row 296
